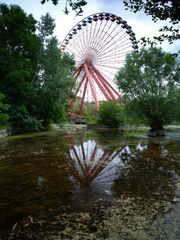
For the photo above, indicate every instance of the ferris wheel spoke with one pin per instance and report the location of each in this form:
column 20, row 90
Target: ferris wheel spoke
column 112, row 45
column 79, row 48
column 111, row 38
column 76, row 52
column 94, row 33
column 114, row 55
column 98, row 38
column 113, row 52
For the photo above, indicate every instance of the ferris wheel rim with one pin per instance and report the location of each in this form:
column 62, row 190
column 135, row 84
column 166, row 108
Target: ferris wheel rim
column 98, row 14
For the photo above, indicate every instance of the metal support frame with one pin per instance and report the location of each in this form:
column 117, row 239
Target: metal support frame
column 91, row 85
column 83, row 96
column 100, row 85
column 105, row 81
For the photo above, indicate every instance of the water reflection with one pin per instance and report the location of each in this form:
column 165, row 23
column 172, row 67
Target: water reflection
column 148, row 175
column 138, row 170
column 125, row 186
column 95, row 167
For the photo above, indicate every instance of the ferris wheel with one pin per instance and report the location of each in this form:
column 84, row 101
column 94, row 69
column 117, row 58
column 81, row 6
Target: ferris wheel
column 99, row 44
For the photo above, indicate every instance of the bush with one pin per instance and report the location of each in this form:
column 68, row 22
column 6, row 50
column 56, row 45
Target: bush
column 22, row 121
column 3, row 109
column 111, row 114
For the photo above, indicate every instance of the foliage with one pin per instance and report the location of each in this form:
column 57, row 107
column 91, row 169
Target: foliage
column 110, row 114
column 19, row 45
column 3, row 109
column 23, row 121
column 74, row 5
column 55, row 75
column 159, row 10
column 132, row 114
column 35, row 76
column 176, row 106
column 149, row 79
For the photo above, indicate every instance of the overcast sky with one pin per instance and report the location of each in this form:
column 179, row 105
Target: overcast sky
column 141, row 24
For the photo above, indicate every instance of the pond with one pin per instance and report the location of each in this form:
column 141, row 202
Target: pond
column 87, row 184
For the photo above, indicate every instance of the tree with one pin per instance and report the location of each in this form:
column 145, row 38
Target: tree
column 110, row 114
column 74, row 5
column 35, row 76
column 159, row 10
column 55, row 71
column 149, row 78
column 176, row 106
column 19, row 45
column 3, row 109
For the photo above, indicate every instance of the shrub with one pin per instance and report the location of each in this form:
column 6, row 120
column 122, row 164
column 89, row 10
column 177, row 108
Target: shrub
column 3, row 109
column 111, row 114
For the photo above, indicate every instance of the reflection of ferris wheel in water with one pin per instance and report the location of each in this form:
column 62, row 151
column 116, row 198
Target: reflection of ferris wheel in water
column 99, row 44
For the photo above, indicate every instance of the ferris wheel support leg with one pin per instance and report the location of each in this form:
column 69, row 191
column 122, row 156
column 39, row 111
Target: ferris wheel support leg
column 117, row 152
column 112, row 96
column 83, row 96
column 74, row 98
column 91, row 85
column 78, row 160
column 77, row 72
column 100, row 167
column 106, row 82
column 82, row 148
column 95, row 168
column 101, row 86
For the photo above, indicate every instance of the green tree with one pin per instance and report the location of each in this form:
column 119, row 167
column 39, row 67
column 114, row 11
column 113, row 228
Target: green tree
column 176, row 106
column 149, row 78
column 3, row 111
column 19, row 45
column 110, row 114
column 55, row 81
column 35, row 76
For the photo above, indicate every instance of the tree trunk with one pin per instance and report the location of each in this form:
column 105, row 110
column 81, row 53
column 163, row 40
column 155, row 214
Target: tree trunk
column 157, row 129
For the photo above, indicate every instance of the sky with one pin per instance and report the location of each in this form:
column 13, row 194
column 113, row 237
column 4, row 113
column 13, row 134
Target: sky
column 141, row 24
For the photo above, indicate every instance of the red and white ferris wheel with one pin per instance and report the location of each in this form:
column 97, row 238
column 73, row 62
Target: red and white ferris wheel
column 99, row 44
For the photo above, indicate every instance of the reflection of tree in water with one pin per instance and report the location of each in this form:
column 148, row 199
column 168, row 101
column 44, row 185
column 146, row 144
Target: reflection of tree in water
column 147, row 174
column 145, row 189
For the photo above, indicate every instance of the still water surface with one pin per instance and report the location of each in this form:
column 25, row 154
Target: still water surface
column 90, row 185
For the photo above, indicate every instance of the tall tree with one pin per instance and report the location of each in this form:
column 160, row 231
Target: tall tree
column 149, row 78
column 19, row 45
column 55, row 75
column 3, row 111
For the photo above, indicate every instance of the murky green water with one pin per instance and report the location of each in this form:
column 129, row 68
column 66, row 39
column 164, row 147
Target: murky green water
column 90, row 185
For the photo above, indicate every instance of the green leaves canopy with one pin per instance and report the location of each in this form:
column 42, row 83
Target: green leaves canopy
column 35, row 77
column 149, row 79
